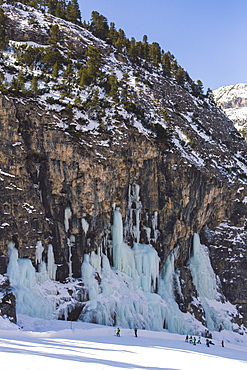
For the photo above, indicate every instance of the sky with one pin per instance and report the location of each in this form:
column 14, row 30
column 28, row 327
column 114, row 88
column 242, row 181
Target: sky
column 207, row 37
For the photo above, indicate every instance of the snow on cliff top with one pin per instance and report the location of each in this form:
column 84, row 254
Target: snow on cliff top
column 230, row 92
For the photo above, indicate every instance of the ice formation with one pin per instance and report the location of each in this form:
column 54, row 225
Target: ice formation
column 217, row 312
column 174, row 318
column 51, row 266
column 38, row 252
column 29, row 299
column 67, row 217
column 133, row 292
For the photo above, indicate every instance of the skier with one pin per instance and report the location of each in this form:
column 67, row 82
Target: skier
column 199, row 340
column 222, row 343
column 191, row 339
column 187, row 338
column 135, row 331
column 207, row 342
column 118, row 332
column 194, row 341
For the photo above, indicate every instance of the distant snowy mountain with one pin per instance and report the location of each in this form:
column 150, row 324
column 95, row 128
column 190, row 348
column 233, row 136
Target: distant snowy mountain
column 233, row 100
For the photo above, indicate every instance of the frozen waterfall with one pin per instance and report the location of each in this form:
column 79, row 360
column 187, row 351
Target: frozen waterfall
column 218, row 313
column 132, row 292
column 23, row 278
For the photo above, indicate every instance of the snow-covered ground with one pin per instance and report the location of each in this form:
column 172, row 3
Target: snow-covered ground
column 50, row 344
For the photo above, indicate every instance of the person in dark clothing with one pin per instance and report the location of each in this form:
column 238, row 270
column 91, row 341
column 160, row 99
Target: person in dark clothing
column 118, row 332
column 222, row 343
column 135, row 331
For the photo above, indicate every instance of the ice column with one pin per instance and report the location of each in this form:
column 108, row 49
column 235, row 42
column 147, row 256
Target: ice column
column 85, row 225
column 51, row 266
column 202, row 271
column 88, row 277
column 13, row 267
column 38, row 252
column 67, row 217
column 70, row 240
column 217, row 313
column 174, row 319
column 71, row 243
column 23, row 280
column 117, row 238
column 133, row 212
column 123, row 256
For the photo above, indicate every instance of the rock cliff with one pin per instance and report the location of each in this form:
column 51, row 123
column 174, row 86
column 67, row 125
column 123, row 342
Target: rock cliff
column 63, row 172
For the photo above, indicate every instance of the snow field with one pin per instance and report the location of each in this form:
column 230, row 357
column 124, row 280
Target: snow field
column 47, row 344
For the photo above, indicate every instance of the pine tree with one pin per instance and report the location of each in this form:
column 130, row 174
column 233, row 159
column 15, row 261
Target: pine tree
column 34, row 85
column 112, row 34
column 180, row 76
column 121, row 42
column 92, row 71
column 60, row 9
column 55, row 70
column 3, row 34
column 200, row 87
column 145, row 48
column 113, row 83
column 155, row 53
column 55, row 36
column 52, row 6
column 18, row 84
column 73, row 13
column 68, row 79
column 99, row 25
column 166, row 60
column 133, row 51
column 210, row 95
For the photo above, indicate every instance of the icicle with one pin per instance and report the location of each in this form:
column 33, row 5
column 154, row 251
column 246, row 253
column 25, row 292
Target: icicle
column 51, row 266
column 38, row 252
column 37, row 165
column 133, row 209
column 67, row 217
column 85, row 225
column 154, row 221
column 117, row 238
column 71, row 243
column 137, row 211
column 13, row 267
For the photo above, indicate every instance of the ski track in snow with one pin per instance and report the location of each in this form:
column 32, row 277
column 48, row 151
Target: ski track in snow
column 45, row 344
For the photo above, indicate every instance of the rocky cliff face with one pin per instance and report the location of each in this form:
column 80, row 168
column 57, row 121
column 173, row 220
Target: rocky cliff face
column 233, row 100
column 61, row 179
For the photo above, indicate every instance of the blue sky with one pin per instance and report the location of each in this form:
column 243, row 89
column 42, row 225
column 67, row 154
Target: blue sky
column 207, row 37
